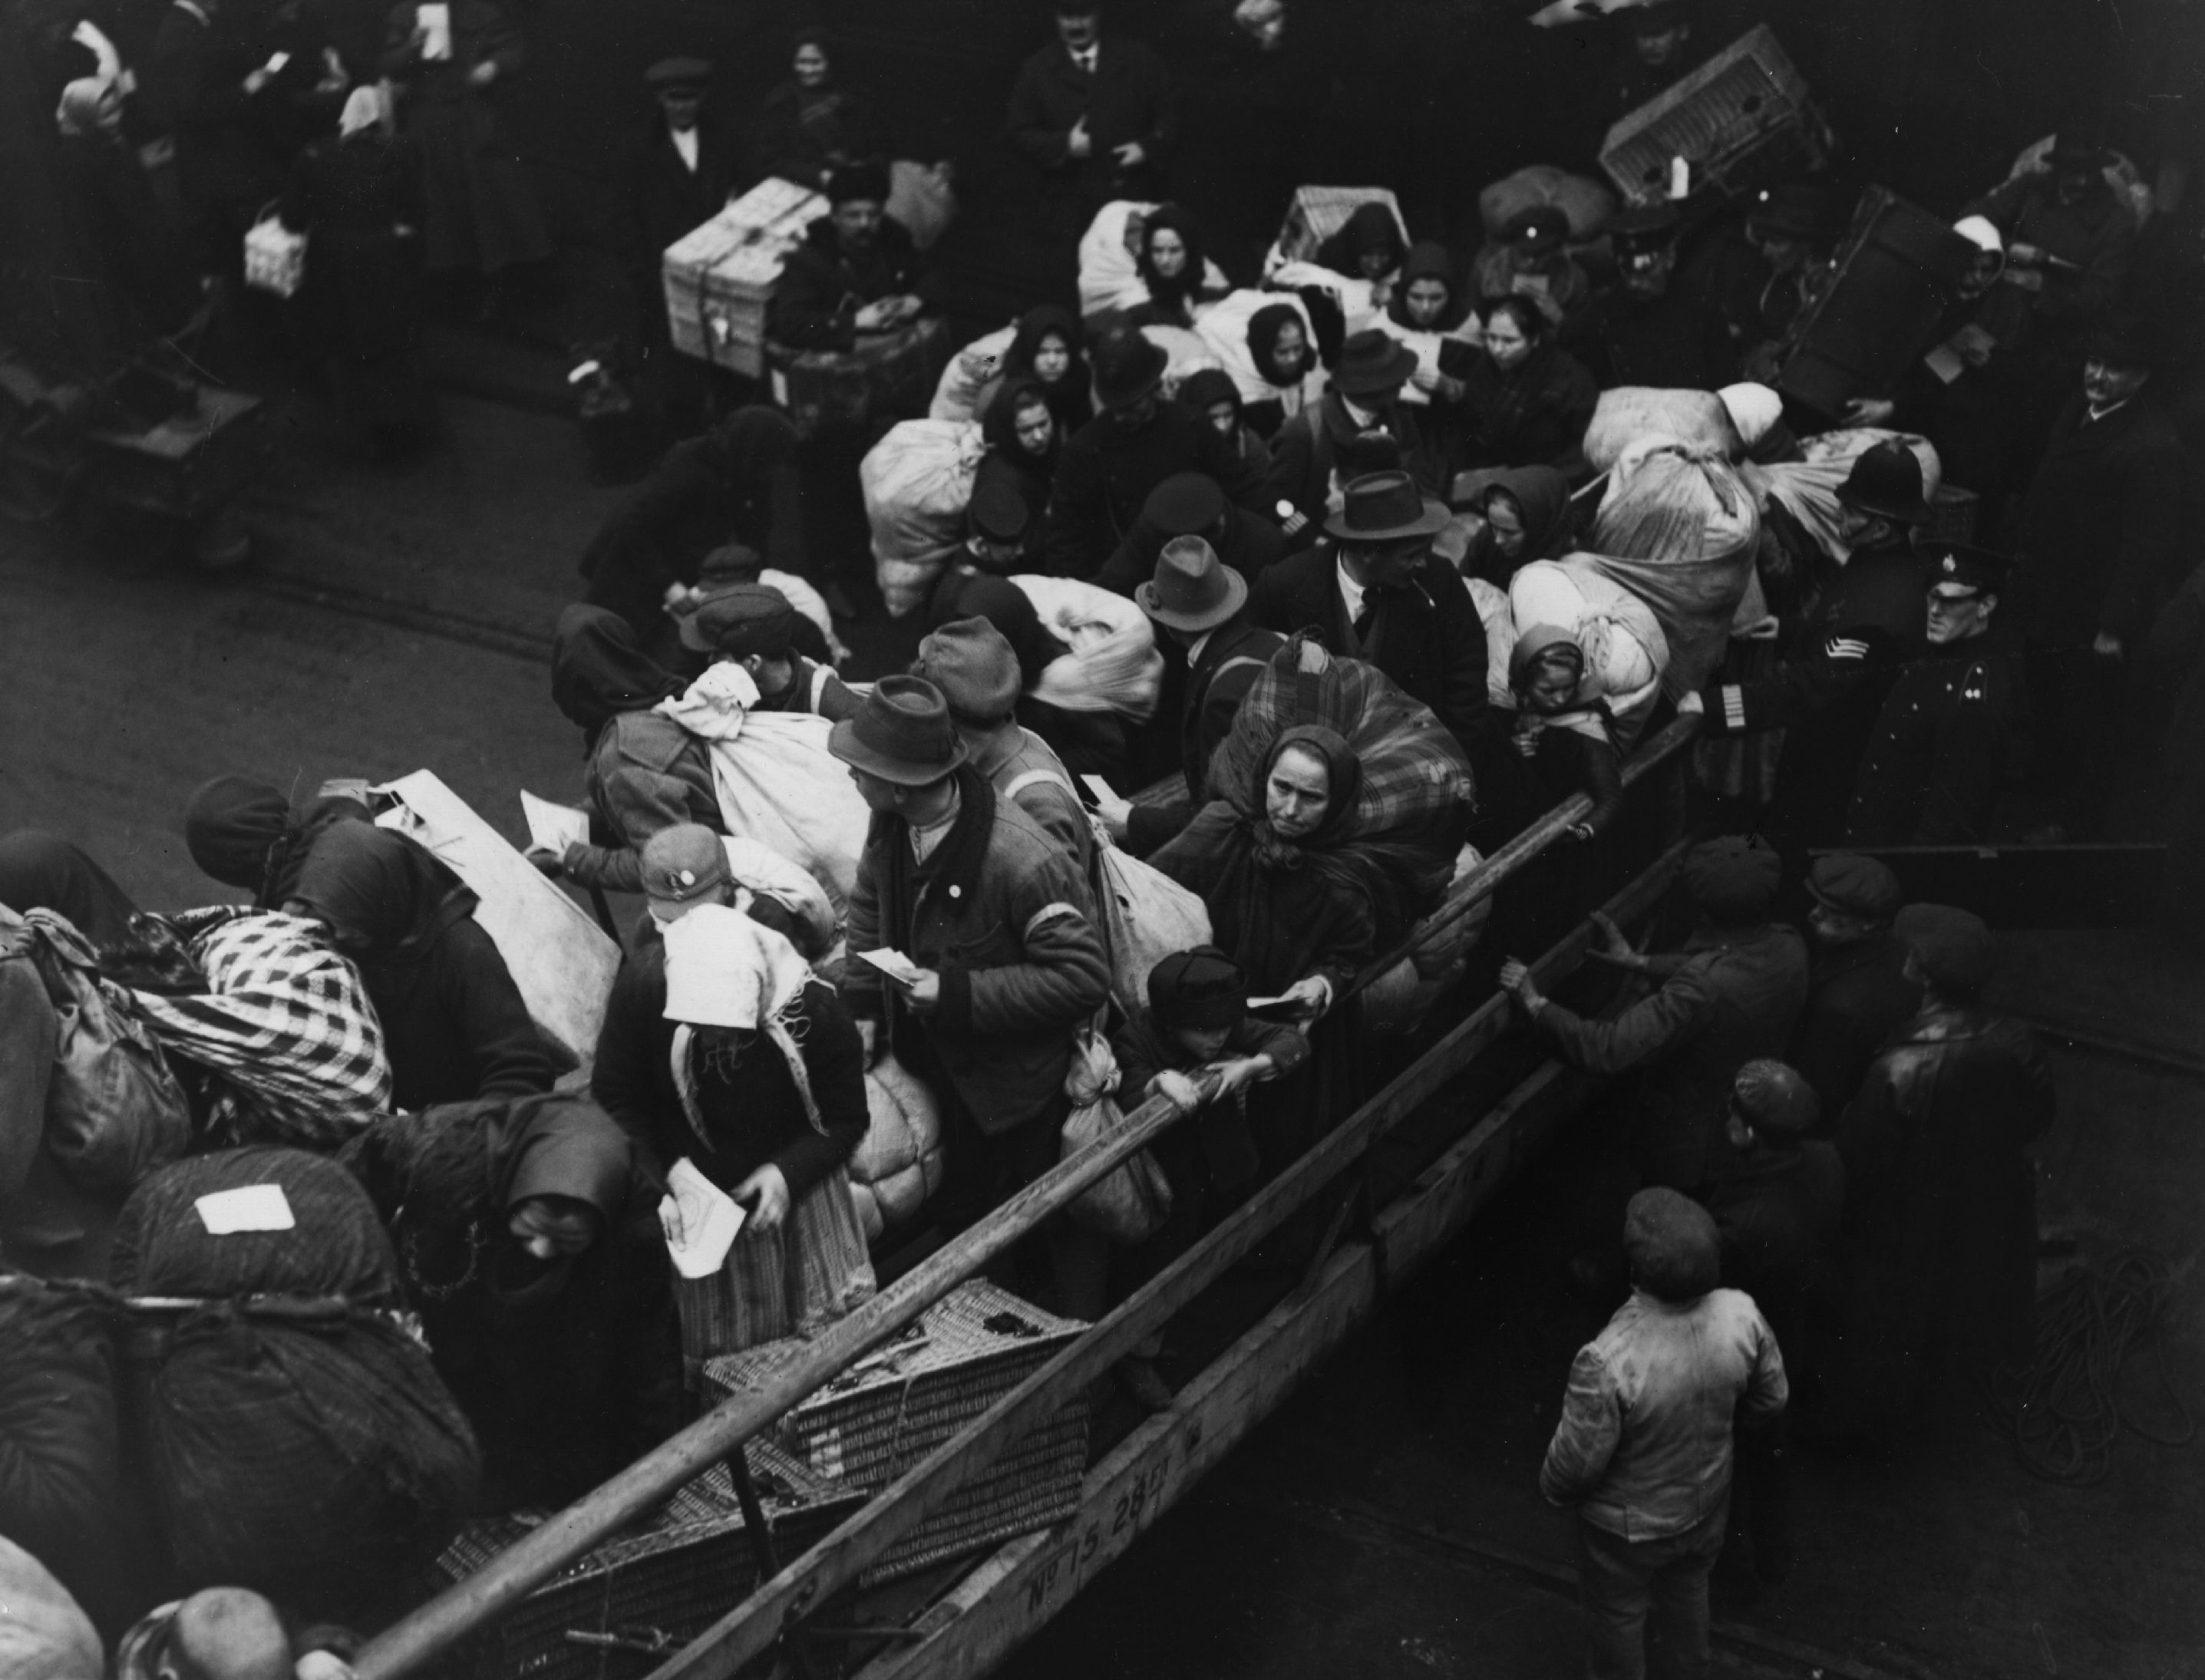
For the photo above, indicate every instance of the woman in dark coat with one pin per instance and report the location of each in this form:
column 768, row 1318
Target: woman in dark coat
column 813, row 123
column 453, row 1022
column 142, row 263
column 1279, row 342
column 1023, row 439
column 1528, row 516
column 1430, row 313
column 738, row 482
column 357, row 199
column 1170, row 262
column 1046, row 349
column 1210, row 393
column 1367, row 247
column 1526, row 402
column 481, row 212
column 1298, row 907
column 531, row 1246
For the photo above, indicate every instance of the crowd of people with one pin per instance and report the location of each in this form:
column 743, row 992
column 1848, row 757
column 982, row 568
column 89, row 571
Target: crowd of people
column 1267, row 604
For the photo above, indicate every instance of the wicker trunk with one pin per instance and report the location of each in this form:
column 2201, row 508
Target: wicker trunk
column 1742, row 120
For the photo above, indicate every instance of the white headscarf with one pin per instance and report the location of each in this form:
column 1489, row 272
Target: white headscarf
column 78, row 114
column 364, row 108
column 723, row 970
column 716, row 704
column 1753, row 410
column 1981, row 232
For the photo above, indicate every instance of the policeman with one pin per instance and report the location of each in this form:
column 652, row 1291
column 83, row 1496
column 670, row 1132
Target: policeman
column 1932, row 771
column 1828, row 692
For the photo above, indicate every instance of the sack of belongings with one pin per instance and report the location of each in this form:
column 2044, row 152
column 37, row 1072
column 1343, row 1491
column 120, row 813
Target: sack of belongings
column 915, row 482
column 1112, row 665
column 1626, row 413
column 1807, row 489
column 969, row 383
column 1399, row 998
column 43, row 1635
column 59, row 1456
column 1625, row 651
column 293, row 1435
column 1130, row 1202
column 1110, row 279
column 1223, row 329
column 1145, row 916
column 1588, row 203
column 899, row 1164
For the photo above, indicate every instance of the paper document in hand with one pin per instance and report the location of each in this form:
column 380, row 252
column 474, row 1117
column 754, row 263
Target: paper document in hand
column 708, row 1218
column 249, row 1208
column 434, row 20
column 893, row 963
column 1101, row 789
column 554, row 827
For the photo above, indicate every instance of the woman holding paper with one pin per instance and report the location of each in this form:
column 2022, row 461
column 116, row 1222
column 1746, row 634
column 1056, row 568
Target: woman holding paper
column 721, row 1049
column 451, row 58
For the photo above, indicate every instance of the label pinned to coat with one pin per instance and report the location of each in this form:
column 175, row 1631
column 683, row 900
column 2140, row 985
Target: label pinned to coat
column 225, row 1212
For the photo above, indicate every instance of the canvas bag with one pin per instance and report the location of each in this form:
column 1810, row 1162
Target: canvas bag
column 1129, row 1203
column 898, row 1164
column 114, row 1111
column 1145, row 916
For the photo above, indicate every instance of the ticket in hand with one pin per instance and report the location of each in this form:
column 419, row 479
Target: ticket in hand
column 893, row 963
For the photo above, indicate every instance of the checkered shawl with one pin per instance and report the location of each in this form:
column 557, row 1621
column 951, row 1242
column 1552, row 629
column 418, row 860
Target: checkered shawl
column 286, row 1024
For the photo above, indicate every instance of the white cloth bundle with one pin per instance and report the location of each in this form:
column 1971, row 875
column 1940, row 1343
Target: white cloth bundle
column 1223, row 328
column 1114, row 665
column 1807, row 489
column 898, row 1163
column 1626, row 413
column 968, row 384
column 915, row 482
column 1625, row 651
column 1108, row 279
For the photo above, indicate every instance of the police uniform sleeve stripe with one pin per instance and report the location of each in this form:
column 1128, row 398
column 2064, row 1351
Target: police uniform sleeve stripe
column 1734, row 705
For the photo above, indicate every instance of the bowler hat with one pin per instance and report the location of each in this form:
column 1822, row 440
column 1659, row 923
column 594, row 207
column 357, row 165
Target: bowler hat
column 1886, row 481
column 1192, row 591
column 1792, row 208
column 1128, row 365
column 678, row 73
column 901, row 733
column 1853, row 885
column 683, row 862
column 1372, row 362
column 1966, row 564
column 2078, row 148
column 1732, row 877
column 858, row 180
column 740, row 619
column 1775, row 1097
column 2125, row 341
column 971, row 662
column 1671, row 1242
column 1385, row 507
column 1954, row 949
column 997, row 512
column 1538, row 228
column 1185, row 505
column 1199, row 988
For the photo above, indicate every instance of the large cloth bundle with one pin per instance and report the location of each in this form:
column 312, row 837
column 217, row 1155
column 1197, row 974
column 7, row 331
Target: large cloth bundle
column 1223, row 329
column 44, row 1634
column 301, row 1446
column 1415, row 794
column 1146, row 915
column 1807, row 489
column 1627, row 414
column 969, row 382
column 1679, row 528
column 1109, row 283
column 284, row 1021
column 915, row 482
column 1588, row 203
column 1129, row 1203
column 1185, row 353
column 898, row 1163
column 59, row 1456
column 1624, row 649
column 1113, row 665
column 1398, row 999
column 1499, row 619
column 561, row 961
column 921, row 197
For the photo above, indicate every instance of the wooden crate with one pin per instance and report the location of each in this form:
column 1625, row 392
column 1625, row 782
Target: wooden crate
column 665, row 1584
column 1888, row 286
column 719, row 276
column 1742, row 120
column 894, row 1407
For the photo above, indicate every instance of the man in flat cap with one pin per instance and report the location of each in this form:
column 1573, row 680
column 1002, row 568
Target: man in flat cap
column 677, row 172
column 1530, row 259
column 1859, row 992
column 754, row 625
column 1643, row 1452
column 1941, row 1197
column 1937, row 761
column 1733, row 994
column 856, row 272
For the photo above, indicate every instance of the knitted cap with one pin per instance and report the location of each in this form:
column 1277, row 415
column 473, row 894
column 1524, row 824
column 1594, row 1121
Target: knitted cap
column 1671, row 1242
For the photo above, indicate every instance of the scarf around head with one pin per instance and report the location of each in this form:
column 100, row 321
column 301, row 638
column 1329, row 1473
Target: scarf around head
column 599, row 671
column 725, row 971
column 713, row 707
column 385, row 897
column 78, row 114
column 1343, row 776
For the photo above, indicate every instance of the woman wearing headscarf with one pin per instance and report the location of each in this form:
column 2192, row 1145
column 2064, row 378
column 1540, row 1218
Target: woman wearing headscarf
column 1210, row 393
column 738, row 482
column 1279, row 344
column 722, row 1046
column 1046, row 349
column 1429, row 311
column 356, row 198
column 1023, row 439
column 645, row 771
column 1367, row 247
column 814, row 123
column 1562, row 730
column 1526, row 401
column 529, row 1237
column 142, row 266
column 454, row 1025
column 1528, row 516
column 1298, row 906
column 245, row 835
column 1169, row 260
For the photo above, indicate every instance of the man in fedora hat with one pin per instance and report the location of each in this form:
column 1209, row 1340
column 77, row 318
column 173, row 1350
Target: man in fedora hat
column 1375, row 591
column 1198, row 605
column 1110, row 464
column 1934, row 767
column 1007, row 964
column 976, row 670
column 2100, row 540
column 754, row 625
column 1828, row 690
column 1191, row 504
column 1361, row 426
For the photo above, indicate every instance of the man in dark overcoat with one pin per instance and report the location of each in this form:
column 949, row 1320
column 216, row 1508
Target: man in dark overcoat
column 678, row 172
column 1858, row 990
column 1094, row 114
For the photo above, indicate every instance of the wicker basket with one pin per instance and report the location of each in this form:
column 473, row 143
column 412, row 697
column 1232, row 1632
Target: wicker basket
column 1319, row 212
column 662, row 1586
column 889, row 1410
column 1742, row 120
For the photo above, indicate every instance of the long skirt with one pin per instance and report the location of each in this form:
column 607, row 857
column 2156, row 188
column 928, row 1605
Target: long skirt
column 794, row 1280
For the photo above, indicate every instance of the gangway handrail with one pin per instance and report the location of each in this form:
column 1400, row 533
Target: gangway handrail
column 471, row 1604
